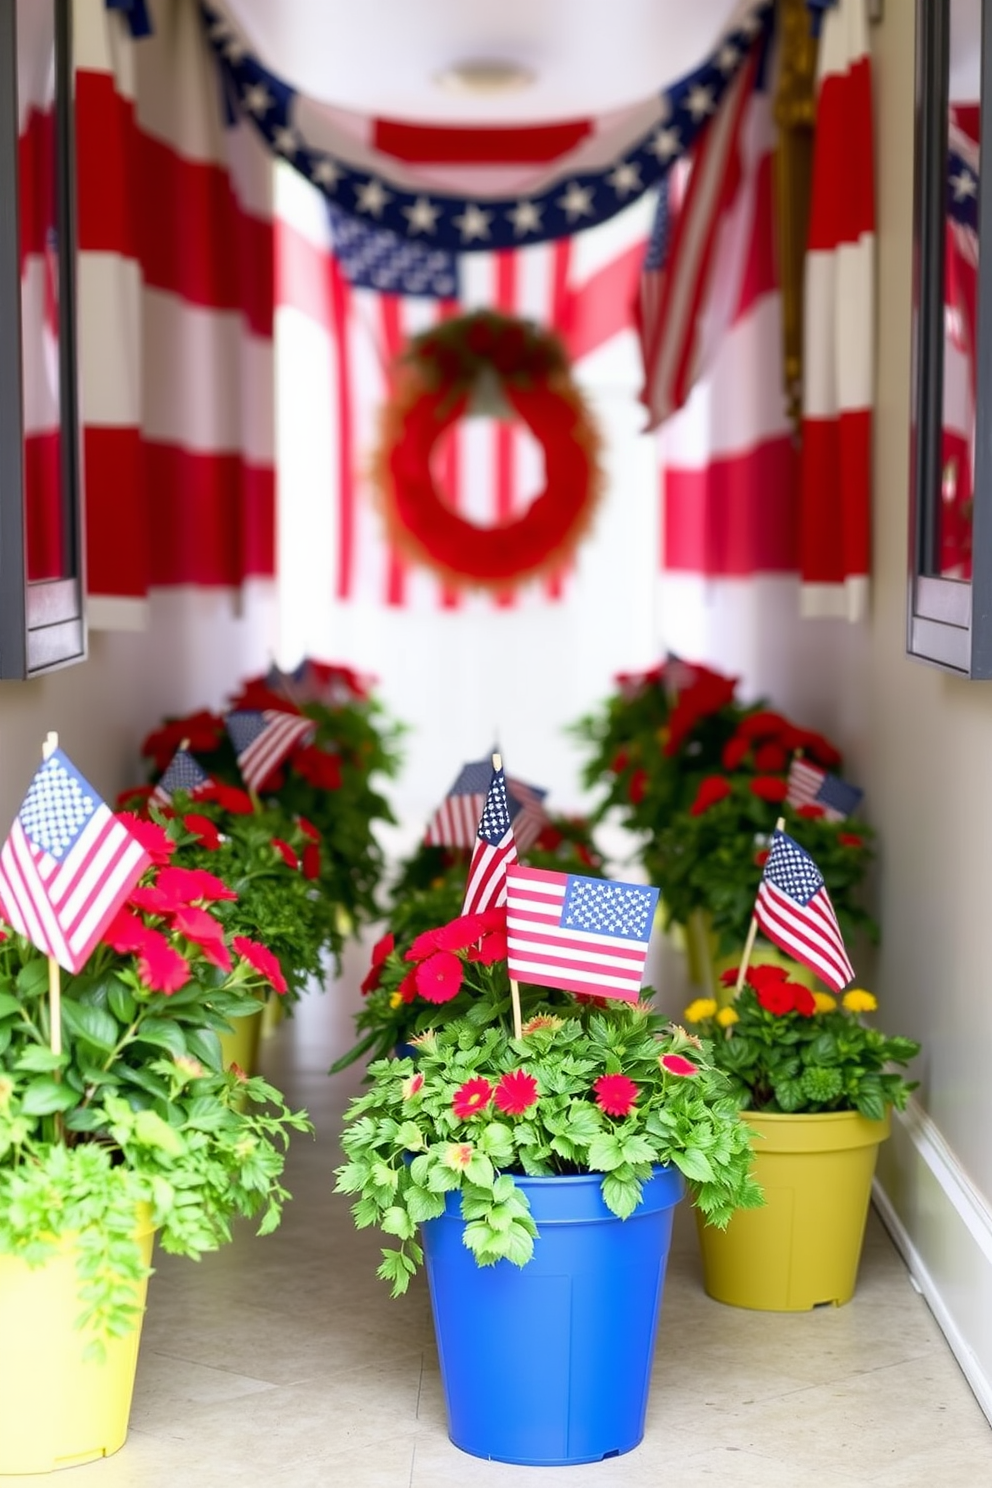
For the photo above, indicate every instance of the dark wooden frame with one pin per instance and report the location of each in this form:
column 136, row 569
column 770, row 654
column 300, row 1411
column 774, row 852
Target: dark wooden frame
column 42, row 624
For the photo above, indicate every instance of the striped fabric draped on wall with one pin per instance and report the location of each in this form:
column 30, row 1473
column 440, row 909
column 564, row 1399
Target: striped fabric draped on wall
column 175, row 287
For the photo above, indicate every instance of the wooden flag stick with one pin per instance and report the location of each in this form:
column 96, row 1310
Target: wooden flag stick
column 514, row 984
column 54, row 971
column 752, row 932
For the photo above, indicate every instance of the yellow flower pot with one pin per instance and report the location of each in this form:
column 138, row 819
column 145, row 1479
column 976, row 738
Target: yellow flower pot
column 58, row 1409
column 273, row 1012
column 240, row 1046
column 802, row 1249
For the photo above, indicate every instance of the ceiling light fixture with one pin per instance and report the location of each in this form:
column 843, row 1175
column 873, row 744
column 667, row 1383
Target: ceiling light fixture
column 484, row 76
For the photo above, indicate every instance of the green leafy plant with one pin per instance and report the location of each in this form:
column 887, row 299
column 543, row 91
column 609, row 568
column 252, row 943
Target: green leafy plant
column 590, row 1086
column 787, row 1049
column 136, row 1113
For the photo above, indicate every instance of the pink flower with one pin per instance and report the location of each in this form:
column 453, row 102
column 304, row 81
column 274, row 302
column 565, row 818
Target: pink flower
column 516, row 1092
column 458, row 934
column 473, row 1096
column 440, row 977
column 126, row 932
column 262, row 960
column 160, row 966
column 675, row 1064
column 424, row 945
column 154, row 839
column 152, row 900
column 615, row 1094
column 206, row 932
column 190, row 884
column 380, row 951
column 203, row 829
column 492, row 948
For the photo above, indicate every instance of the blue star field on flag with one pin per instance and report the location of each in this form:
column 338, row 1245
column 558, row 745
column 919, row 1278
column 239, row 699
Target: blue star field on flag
column 622, row 911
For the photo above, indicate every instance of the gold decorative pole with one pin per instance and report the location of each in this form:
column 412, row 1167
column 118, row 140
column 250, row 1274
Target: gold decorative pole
column 795, row 116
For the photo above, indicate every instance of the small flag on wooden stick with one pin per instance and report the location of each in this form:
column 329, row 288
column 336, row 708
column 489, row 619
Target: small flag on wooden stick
column 794, row 910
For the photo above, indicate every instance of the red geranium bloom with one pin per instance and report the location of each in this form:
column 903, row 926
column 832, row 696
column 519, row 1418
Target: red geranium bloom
column 492, row 948
column 761, row 857
column 154, row 839
column 549, row 839
column 160, row 966
column 811, row 811
column 765, row 976
column 763, row 725
column 768, row 788
column 231, row 798
column 202, row 732
column 850, row 839
column 308, row 829
column 803, row 1000
column 620, row 761
column 425, row 944
column 380, row 951
column 734, row 751
column 729, row 977
column 203, row 829
column 473, row 1096
column 615, row 1094
column 262, row 959
column 318, row 767
column 126, row 932
column 286, row 852
column 311, row 861
column 516, row 1092
column 408, row 986
column 206, row 932
column 134, row 793
column 440, row 977
column 153, row 900
column 256, row 693
column 493, row 919
column 708, row 694
column 190, row 884
column 776, row 997
column 675, row 1064
column 770, row 757
column 458, row 935
column 714, row 788
column 637, row 787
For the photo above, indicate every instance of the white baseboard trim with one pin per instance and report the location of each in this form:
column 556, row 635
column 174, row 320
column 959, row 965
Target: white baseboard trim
column 942, row 1226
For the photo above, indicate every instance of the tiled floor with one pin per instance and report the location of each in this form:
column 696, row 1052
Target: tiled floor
column 283, row 1362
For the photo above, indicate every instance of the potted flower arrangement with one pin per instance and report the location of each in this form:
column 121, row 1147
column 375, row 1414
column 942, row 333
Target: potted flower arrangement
column 816, row 1085
column 524, row 1161
column 117, row 1124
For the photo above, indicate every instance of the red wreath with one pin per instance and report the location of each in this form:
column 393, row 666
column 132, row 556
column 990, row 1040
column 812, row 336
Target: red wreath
column 434, row 387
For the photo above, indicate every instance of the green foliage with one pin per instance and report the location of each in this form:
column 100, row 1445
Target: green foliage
column 407, row 1146
column 821, row 1058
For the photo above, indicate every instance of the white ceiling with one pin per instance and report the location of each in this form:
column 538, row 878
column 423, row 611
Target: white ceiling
column 380, row 57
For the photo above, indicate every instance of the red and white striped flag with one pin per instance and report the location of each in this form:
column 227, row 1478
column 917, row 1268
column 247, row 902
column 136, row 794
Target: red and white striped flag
column 495, row 850
column 67, row 865
column 581, row 934
column 264, row 739
column 794, row 910
column 839, row 326
column 183, row 773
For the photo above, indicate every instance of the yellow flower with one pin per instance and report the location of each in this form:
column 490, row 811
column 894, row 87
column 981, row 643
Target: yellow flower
column 859, row 1001
column 702, row 1008
column 395, row 999
column 824, row 1003
column 727, row 1016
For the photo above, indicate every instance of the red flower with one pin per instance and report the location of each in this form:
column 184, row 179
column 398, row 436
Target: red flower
column 765, row 976
column 203, row 829
column 706, row 695
column 458, row 934
column 154, row 839
column 152, row 900
column 637, row 787
column 126, row 932
column 768, row 788
column 201, row 731
column 764, row 725
column 206, row 932
column 770, row 757
column 549, row 839
column 425, row 944
column 777, row 998
column 585, row 856
column 675, row 1064
column 516, row 1092
column 308, row 829
column 311, row 861
column 318, row 767
column 380, row 951
column 818, row 748
column 493, row 919
column 160, row 966
column 803, row 1001
column 440, row 977
column 262, row 960
column 615, row 1094
column 473, row 1096
column 136, row 793
column 714, row 788
column 256, row 693
column 761, row 857
column 231, row 798
column 728, row 978
column 811, row 811
column 620, row 761
column 850, row 839
column 408, row 986
column 190, row 884
column 491, row 949
column 734, row 751
column 286, row 852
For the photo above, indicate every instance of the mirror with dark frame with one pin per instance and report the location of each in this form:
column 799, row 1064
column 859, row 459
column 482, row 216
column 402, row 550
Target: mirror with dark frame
column 41, row 581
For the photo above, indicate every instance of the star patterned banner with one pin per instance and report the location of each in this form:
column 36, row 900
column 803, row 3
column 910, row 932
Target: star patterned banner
column 380, row 191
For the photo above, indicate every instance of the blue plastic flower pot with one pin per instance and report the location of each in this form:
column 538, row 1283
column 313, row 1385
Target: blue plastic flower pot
column 549, row 1364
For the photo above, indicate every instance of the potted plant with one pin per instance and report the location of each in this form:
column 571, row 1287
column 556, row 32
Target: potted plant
column 117, row 1124
column 816, row 1085
column 537, row 1176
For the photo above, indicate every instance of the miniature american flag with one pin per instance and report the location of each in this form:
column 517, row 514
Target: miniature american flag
column 794, row 910
column 495, row 850
column 183, row 773
column 455, row 823
column 67, row 866
column 263, row 740
column 808, row 785
column 581, row 934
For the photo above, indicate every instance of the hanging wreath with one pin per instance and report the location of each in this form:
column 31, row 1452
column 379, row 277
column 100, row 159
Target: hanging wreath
column 437, row 378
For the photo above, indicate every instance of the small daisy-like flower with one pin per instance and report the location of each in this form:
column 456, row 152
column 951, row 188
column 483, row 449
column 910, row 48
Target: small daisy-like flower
column 440, row 977
column 473, row 1096
column 859, row 1001
column 615, row 1094
column 457, row 1156
column 411, row 1086
column 824, row 1003
column 516, row 1092
column 542, row 1023
column 702, row 1008
column 675, row 1064
column 727, row 1017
